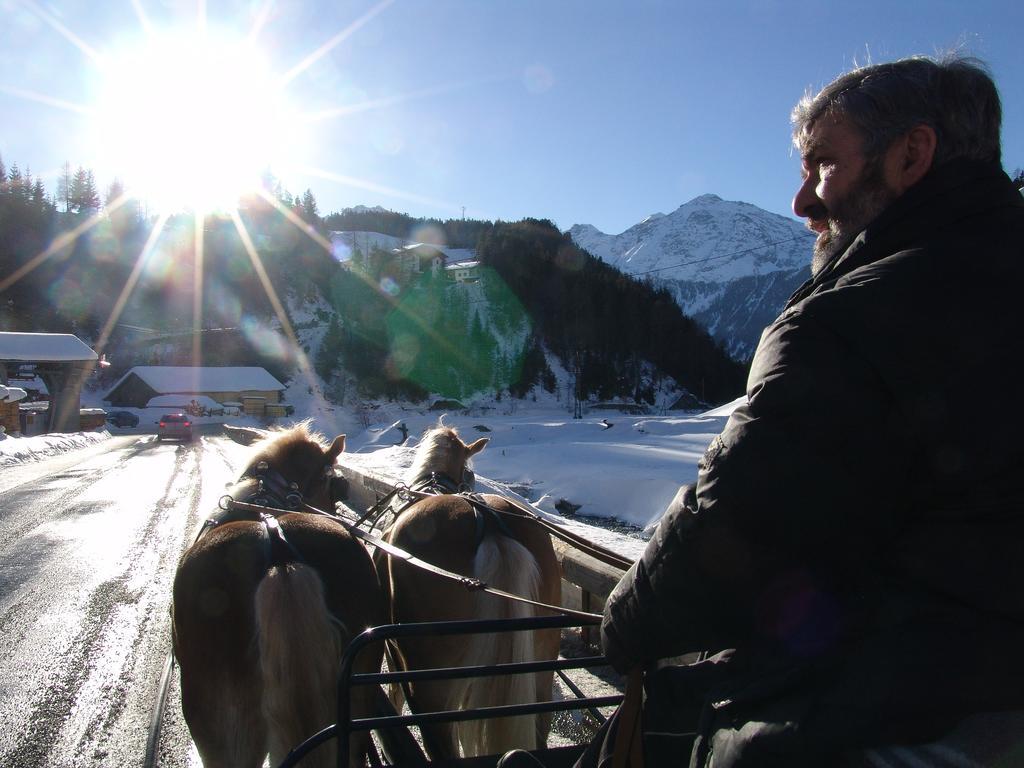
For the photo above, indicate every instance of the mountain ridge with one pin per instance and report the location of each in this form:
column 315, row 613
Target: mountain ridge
column 729, row 264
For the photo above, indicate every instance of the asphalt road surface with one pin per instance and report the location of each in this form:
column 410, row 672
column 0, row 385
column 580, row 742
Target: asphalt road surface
column 89, row 542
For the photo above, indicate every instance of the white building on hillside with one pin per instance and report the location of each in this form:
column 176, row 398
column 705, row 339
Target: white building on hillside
column 464, row 271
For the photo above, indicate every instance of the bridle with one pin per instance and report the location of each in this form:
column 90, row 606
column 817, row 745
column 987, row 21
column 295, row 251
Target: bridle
column 271, row 486
column 261, row 494
column 273, row 489
column 429, row 484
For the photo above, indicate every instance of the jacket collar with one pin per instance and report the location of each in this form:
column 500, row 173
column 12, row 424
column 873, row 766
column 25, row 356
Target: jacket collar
column 948, row 194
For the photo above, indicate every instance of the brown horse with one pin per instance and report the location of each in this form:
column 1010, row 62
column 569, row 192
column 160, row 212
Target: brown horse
column 260, row 620
column 503, row 550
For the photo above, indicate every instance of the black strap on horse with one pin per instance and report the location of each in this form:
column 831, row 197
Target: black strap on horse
column 470, row 583
column 605, row 555
column 272, row 495
column 438, row 484
column 273, row 490
column 434, row 484
column 430, row 484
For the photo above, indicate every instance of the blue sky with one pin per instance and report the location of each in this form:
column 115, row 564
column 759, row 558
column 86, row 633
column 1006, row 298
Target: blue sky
column 579, row 111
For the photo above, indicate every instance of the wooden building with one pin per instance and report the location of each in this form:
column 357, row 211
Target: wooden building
column 224, row 384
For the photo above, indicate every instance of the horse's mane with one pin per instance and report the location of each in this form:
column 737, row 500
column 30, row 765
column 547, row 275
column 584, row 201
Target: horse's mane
column 434, row 452
column 282, row 440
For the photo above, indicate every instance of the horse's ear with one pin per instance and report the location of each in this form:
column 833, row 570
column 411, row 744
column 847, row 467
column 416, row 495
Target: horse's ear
column 244, row 435
column 336, row 448
column 475, row 447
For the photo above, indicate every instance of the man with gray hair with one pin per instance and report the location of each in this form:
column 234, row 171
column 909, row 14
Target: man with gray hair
column 855, row 533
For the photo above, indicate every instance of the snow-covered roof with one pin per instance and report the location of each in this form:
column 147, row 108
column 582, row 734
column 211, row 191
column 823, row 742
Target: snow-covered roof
column 463, row 265
column 421, row 249
column 34, row 383
column 44, row 347
column 12, row 394
column 169, row 379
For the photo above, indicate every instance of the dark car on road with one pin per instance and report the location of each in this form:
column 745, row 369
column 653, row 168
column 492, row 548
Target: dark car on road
column 122, row 419
column 174, row 426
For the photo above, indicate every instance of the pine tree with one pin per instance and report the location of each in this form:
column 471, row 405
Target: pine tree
column 28, row 184
column 75, row 190
column 82, row 194
column 310, row 211
column 91, row 195
column 15, row 182
column 329, row 355
column 39, row 195
column 64, row 186
column 114, row 193
column 3, row 174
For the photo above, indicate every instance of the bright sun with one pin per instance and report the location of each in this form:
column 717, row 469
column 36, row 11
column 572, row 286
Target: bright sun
column 192, row 120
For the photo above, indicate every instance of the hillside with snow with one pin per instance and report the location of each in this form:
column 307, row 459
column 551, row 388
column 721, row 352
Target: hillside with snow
column 730, row 265
column 345, row 243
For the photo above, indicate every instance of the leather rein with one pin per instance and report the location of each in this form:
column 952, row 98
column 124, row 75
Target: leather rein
column 271, row 495
column 274, row 495
column 435, row 484
column 470, row 583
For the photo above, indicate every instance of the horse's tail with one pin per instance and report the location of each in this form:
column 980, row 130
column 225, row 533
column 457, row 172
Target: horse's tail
column 504, row 563
column 300, row 647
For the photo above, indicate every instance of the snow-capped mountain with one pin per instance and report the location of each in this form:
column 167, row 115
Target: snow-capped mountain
column 730, row 265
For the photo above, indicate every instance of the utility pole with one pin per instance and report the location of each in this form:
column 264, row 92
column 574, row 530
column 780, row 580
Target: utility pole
column 577, row 412
column 463, row 213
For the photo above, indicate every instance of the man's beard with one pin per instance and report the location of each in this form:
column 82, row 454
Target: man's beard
column 848, row 217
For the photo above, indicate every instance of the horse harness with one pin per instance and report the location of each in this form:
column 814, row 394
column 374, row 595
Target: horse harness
column 270, row 495
column 384, row 512
column 437, row 484
column 280, row 495
column 433, row 484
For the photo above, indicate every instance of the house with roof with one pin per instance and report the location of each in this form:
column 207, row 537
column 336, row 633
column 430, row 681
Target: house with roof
column 417, row 258
column 226, row 384
column 463, row 271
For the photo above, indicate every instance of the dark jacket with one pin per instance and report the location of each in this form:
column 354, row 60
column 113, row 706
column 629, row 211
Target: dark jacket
column 857, row 530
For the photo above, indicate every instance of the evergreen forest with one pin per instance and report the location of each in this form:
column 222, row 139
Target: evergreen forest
column 145, row 289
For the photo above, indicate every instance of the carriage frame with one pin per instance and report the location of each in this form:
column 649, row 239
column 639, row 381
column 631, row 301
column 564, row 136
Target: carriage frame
column 348, row 679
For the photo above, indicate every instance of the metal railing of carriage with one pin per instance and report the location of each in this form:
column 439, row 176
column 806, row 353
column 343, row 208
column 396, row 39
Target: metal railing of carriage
column 348, row 679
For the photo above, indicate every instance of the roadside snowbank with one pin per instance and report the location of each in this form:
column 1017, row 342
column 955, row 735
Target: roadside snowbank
column 22, row 450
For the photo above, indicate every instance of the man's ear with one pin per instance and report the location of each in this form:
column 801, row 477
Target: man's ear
column 912, row 157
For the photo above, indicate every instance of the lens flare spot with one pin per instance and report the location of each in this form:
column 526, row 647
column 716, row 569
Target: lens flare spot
column 538, row 79
column 405, row 349
column 225, row 306
column 388, row 142
column 570, row 258
column 267, row 341
column 341, row 250
column 430, row 234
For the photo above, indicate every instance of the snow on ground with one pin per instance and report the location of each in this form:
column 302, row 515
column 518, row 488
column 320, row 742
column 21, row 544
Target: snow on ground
column 629, row 470
column 22, row 450
column 611, row 465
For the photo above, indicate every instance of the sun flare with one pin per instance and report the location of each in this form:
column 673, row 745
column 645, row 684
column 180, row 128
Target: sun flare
column 193, row 120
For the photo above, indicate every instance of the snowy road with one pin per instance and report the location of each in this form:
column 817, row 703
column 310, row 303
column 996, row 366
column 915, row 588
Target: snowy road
column 89, row 541
column 88, row 546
